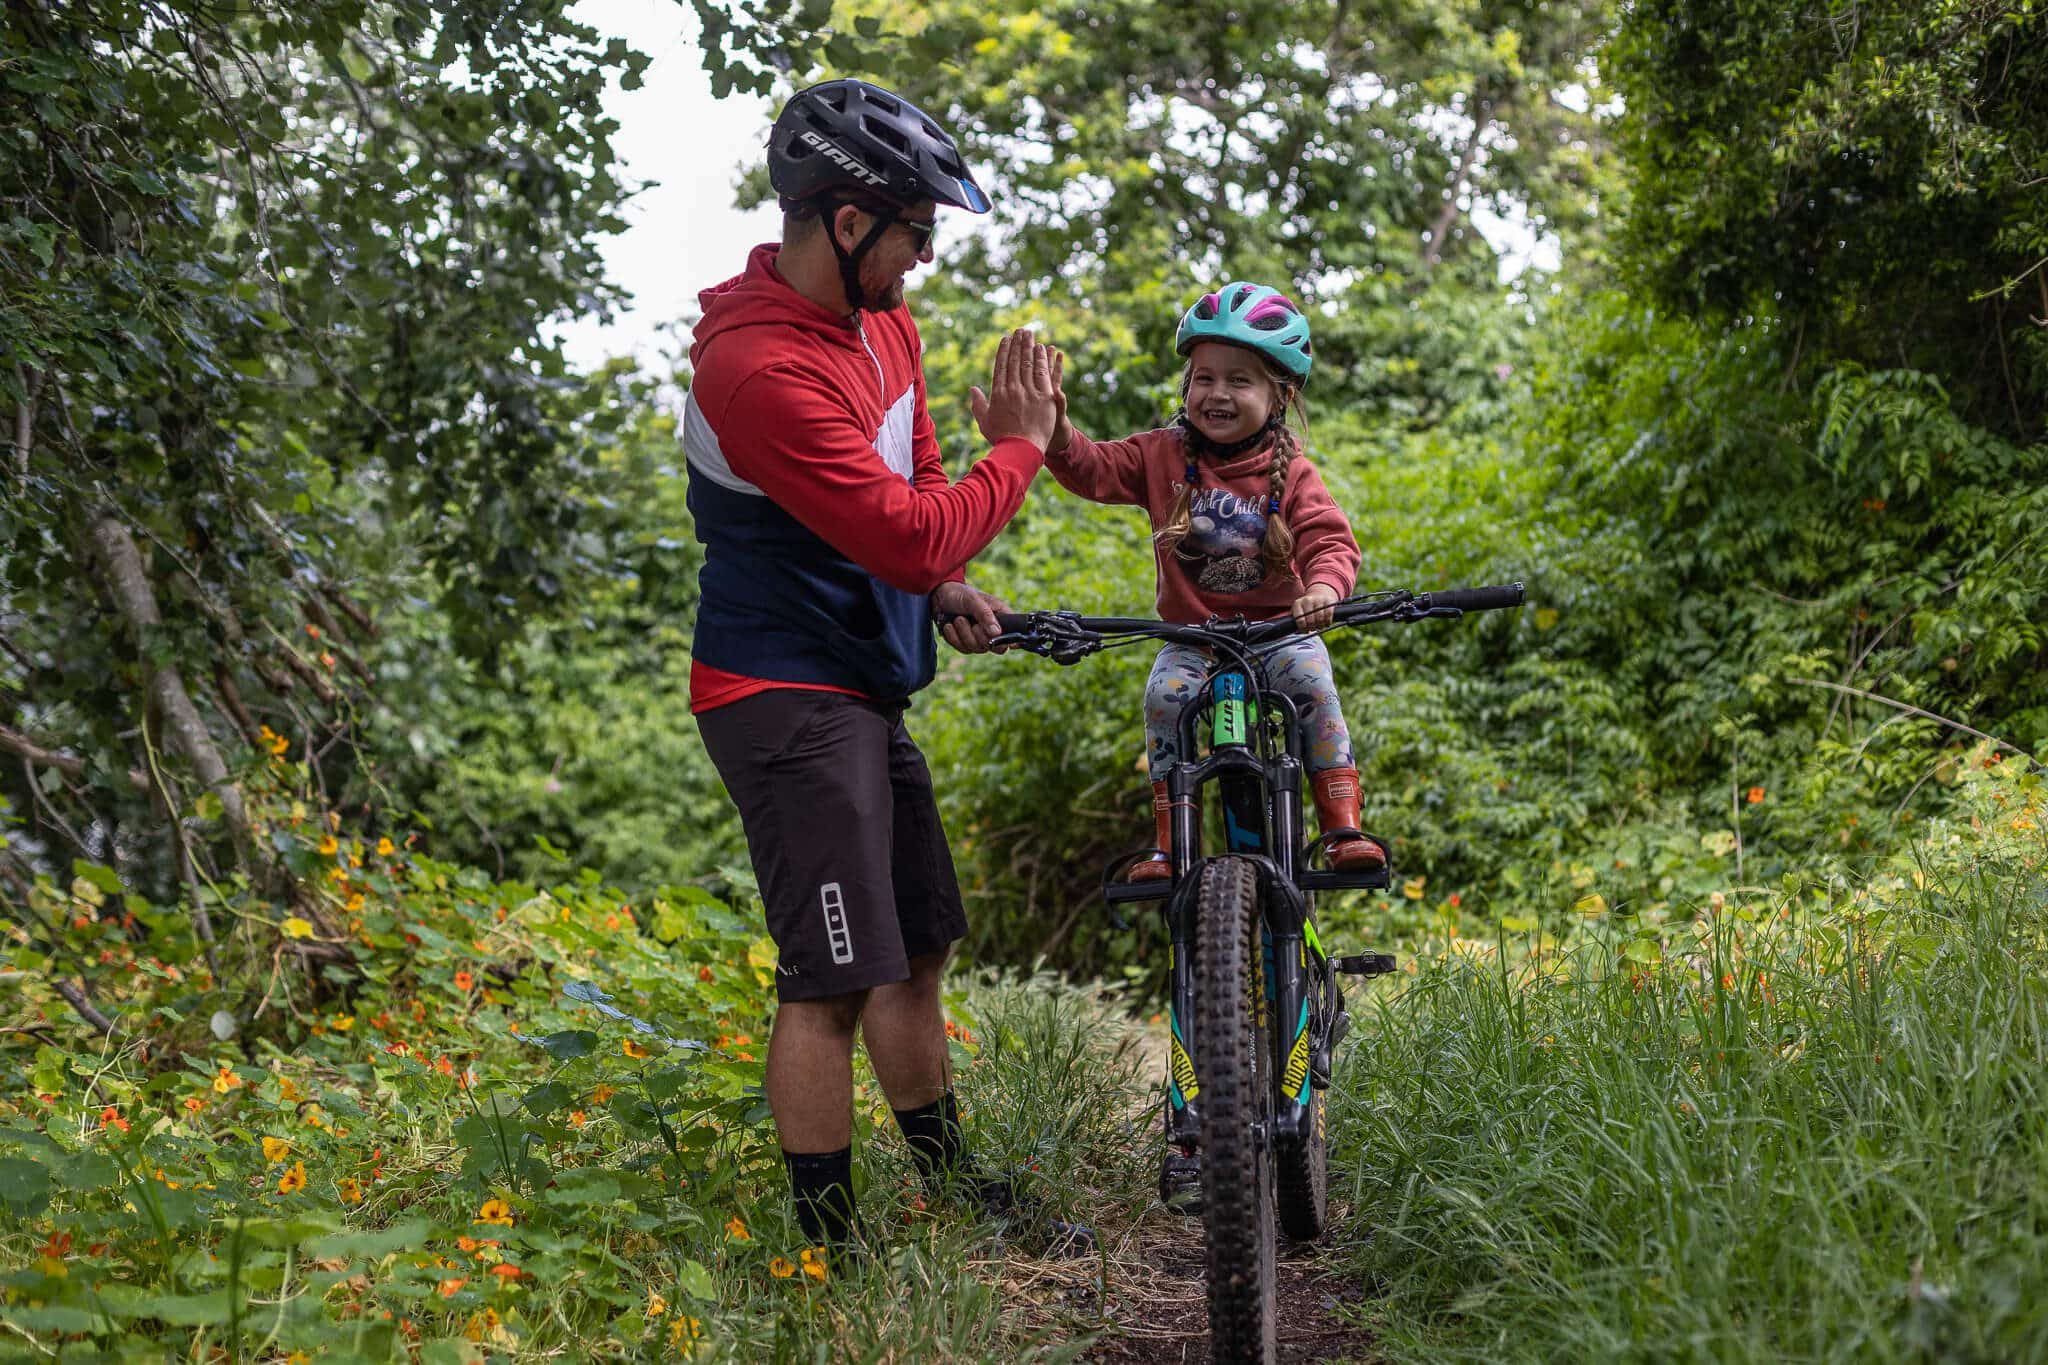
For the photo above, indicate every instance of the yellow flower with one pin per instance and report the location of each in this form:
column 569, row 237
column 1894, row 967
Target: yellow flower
column 814, row 1262
column 781, row 1269
column 481, row 1324
column 602, row 1093
column 329, row 846
column 288, row 1089
column 297, row 928
column 495, row 1211
column 684, row 1331
column 632, row 1049
column 293, row 1180
column 577, row 1118
column 656, row 1304
column 342, row 1023
column 338, row 873
column 351, row 1190
column 224, row 1081
column 737, row 1230
column 276, row 1149
column 385, row 848
column 355, row 903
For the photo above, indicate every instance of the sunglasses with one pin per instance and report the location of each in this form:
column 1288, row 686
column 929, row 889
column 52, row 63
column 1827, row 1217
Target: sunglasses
column 921, row 231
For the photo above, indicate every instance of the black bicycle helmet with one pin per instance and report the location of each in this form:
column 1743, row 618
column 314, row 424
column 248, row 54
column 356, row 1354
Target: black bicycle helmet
column 850, row 136
column 849, row 142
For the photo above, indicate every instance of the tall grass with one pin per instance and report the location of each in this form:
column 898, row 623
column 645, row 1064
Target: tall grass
column 1815, row 1134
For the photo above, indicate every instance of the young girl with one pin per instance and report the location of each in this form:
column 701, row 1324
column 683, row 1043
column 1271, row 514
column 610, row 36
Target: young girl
column 1241, row 525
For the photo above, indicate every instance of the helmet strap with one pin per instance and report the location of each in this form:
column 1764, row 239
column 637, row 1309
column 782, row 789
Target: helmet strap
column 849, row 261
column 1202, row 446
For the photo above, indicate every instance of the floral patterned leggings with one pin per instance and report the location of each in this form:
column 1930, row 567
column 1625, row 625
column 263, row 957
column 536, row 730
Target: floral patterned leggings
column 1301, row 670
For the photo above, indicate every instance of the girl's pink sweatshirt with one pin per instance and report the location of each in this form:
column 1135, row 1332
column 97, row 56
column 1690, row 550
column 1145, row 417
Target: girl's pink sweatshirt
column 1216, row 570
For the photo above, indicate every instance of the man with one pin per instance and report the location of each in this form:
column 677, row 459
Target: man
column 832, row 536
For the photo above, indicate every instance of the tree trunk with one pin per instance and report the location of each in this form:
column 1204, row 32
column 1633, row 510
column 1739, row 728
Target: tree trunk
column 185, row 732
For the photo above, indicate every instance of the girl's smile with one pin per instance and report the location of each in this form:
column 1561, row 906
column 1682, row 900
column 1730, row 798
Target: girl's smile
column 1229, row 395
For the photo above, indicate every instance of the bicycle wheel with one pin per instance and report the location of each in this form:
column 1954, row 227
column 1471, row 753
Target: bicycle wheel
column 1234, row 1068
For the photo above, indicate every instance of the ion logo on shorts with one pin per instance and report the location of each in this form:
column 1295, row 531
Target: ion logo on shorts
column 836, row 932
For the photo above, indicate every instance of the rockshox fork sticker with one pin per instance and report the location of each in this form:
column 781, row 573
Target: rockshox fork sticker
column 1183, row 1068
column 836, row 932
column 1295, row 1080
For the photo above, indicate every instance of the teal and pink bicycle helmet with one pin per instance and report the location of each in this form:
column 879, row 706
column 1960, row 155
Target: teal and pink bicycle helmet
column 1254, row 316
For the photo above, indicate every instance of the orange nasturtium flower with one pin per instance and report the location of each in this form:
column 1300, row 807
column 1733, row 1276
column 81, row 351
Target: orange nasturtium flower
column 603, row 1093
column 737, row 1230
column 703, row 973
column 814, row 1262
column 684, row 1330
column 781, row 1269
column 385, row 848
column 1756, row 796
column 276, row 1149
column 631, row 1048
column 293, row 1180
column 495, row 1211
column 288, row 1089
column 463, row 982
column 449, row 1288
column 656, row 1304
column 507, row 1272
column 225, row 1080
column 194, row 1103
column 329, row 845
column 577, row 1118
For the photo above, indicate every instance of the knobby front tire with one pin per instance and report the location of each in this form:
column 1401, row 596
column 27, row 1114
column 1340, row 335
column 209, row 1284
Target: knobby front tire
column 1233, row 1062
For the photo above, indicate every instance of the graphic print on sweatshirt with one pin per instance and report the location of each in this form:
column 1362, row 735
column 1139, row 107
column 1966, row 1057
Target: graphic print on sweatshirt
column 1221, row 549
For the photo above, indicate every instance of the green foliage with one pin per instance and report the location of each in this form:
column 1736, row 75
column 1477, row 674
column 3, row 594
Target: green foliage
column 1780, row 1126
column 534, row 1123
column 1867, row 172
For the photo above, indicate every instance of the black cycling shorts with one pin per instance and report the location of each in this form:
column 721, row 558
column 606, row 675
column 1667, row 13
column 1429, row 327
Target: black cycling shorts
column 837, row 804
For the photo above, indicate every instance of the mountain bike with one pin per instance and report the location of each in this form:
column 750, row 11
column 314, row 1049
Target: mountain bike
column 1256, row 1008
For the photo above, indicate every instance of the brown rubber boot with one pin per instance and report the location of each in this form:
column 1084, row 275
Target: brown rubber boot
column 1159, row 869
column 1336, row 794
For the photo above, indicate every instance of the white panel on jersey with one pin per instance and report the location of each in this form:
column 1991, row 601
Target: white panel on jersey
column 701, row 449
column 892, row 442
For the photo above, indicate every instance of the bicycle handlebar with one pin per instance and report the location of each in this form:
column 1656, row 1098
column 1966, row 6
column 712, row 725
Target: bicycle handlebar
column 1472, row 599
column 1066, row 636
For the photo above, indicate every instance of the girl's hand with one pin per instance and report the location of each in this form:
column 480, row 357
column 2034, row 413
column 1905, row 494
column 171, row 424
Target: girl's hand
column 1063, row 430
column 1313, row 609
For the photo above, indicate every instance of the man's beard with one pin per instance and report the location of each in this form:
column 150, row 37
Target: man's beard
column 884, row 299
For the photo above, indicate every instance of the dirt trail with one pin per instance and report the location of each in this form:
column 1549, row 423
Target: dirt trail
column 1155, row 1310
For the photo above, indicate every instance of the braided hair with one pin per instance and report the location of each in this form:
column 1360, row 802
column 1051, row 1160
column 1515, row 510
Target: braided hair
column 1276, row 549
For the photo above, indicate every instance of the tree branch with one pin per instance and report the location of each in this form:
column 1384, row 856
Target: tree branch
column 70, row 765
column 75, row 996
column 1482, row 119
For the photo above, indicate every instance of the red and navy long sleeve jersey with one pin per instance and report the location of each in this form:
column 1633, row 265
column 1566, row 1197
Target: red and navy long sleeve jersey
column 819, row 495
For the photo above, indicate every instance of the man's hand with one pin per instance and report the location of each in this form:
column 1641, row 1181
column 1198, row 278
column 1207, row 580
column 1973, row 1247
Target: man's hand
column 1023, row 394
column 974, row 616
column 1313, row 609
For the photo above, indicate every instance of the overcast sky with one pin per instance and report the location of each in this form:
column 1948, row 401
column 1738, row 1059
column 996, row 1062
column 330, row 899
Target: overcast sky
column 683, row 232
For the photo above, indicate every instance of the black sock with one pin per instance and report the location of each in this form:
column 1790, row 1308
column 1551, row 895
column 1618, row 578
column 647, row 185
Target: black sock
column 933, row 1132
column 821, row 1184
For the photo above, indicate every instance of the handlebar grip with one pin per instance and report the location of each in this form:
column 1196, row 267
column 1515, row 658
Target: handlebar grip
column 1012, row 623
column 1472, row 599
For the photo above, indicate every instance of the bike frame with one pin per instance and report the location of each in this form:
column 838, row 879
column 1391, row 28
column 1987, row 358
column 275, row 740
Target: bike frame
column 1260, row 797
